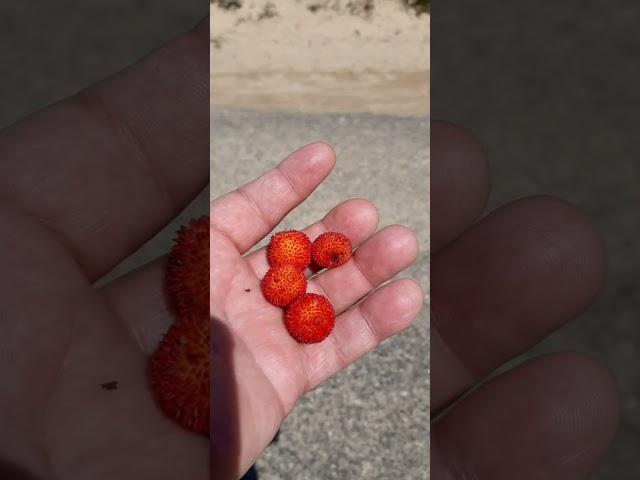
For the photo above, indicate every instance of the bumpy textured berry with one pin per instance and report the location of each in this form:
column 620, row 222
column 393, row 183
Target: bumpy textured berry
column 179, row 374
column 187, row 275
column 283, row 284
column 331, row 250
column 310, row 319
column 289, row 248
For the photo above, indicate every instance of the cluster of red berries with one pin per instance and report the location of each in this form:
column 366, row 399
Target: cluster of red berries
column 179, row 368
column 308, row 317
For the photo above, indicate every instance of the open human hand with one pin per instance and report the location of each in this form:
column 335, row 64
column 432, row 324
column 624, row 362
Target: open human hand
column 258, row 370
column 84, row 183
column 498, row 286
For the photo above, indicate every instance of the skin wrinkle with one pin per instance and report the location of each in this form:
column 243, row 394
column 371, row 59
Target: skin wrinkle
column 48, row 403
column 239, row 338
column 436, row 313
column 366, row 316
column 41, row 420
column 317, row 282
column 128, row 140
column 457, row 464
column 230, row 240
column 281, row 403
column 368, row 284
column 339, row 353
column 253, row 205
column 284, row 409
column 582, row 417
column 285, row 175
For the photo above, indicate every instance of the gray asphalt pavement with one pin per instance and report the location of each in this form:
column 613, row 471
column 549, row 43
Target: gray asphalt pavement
column 371, row 420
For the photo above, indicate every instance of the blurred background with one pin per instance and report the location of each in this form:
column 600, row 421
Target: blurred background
column 551, row 91
column 355, row 74
column 51, row 50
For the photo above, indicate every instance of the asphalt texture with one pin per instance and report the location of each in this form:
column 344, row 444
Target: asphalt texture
column 371, row 421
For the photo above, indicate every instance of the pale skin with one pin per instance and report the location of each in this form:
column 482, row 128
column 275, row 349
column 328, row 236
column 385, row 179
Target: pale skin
column 499, row 284
column 84, row 183
column 270, row 370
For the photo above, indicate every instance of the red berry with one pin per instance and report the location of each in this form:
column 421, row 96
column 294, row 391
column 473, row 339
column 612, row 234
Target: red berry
column 188, row 270
column 289, row 248
column 179, row 374
column 310, row 319
column 283, row 284
column 331, row 250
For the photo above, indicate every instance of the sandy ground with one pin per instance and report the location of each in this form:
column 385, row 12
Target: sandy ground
column 280, row 55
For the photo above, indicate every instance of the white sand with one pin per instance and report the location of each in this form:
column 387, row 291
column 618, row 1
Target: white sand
column 330, row 60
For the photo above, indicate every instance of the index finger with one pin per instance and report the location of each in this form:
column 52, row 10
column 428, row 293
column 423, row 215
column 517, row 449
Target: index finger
column 459, row 183
column 249, row 213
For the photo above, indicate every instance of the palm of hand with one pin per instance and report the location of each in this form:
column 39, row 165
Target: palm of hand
column 258, row 370
column 64, row 340
column 86, row 182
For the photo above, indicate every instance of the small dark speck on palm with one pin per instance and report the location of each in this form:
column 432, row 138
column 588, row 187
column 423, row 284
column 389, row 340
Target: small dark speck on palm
column 110, row 385
column 247, row 290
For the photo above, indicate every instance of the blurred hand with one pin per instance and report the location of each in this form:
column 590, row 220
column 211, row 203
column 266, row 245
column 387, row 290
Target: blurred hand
column 84, row 183
column 498, row 286
column 258, row 370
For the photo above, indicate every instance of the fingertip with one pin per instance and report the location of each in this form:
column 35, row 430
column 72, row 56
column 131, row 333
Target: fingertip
column 356, row 212
column 324, row 150
column 308, row 166
column 573, row 234
column 596, row 400
column 401, row 240
column 317, row 155
column 460, row 181
column 356, row 218
column 567, row 399
column 403, row 300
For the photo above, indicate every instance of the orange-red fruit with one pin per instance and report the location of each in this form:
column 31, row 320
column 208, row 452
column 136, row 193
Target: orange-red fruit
column 289, row 248
column 310, row 319
column 283, row 284
column 179, row 374
column 331, row 250
column 188, row 270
